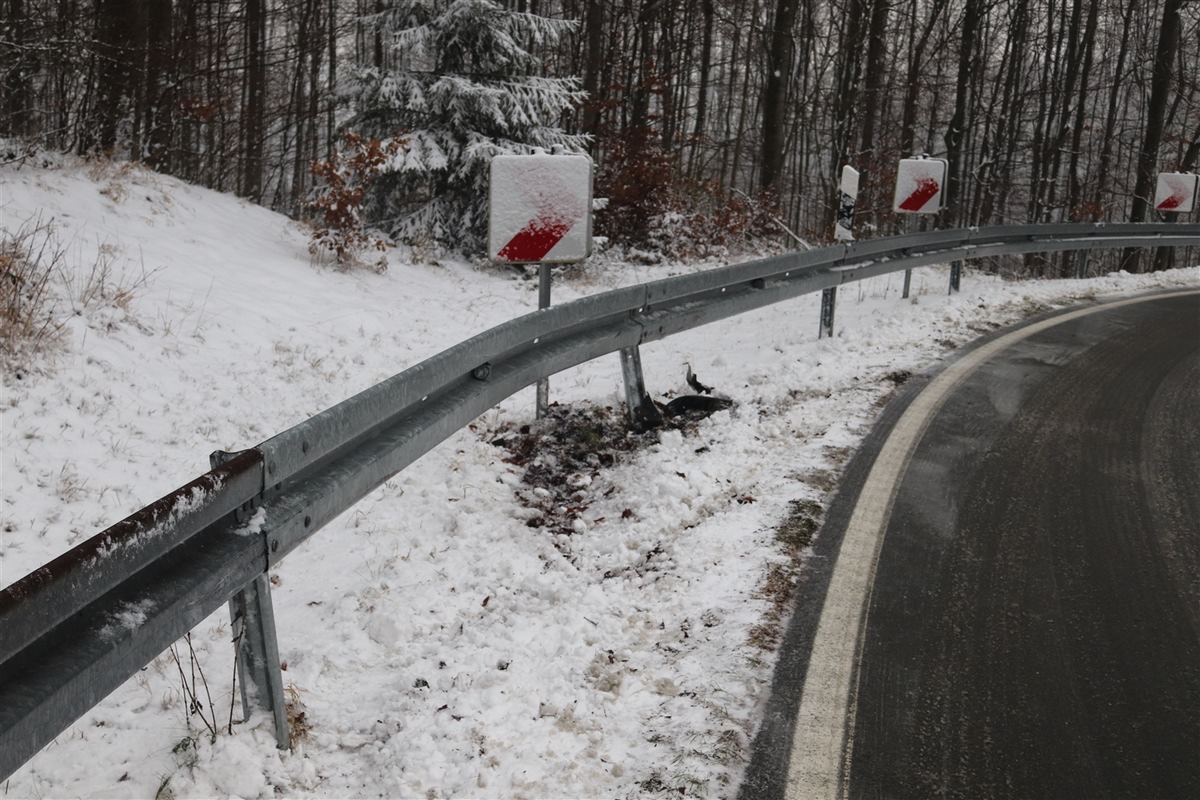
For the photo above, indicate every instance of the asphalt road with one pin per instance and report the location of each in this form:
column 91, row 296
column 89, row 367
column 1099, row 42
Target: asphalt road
column 1028, row 618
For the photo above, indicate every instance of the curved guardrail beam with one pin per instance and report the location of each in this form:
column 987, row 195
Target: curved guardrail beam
column 75, row 629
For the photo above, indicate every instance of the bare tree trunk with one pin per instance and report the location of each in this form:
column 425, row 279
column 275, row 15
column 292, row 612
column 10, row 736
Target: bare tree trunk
column 1192, row 155
column 181, row 155
column 160, row 84
column 1058, row 136
column 1075, row 197
column 844, row 102
column 1046, row 98
column 640, row 115
column 593, row 69
column 379, row 57
column 916, row 64
column 706, row 44
column 743, row 117
column 116, row 27
column 1108, row 138
column 775, row 96
column 298, row 102
column 331, row 82
column 253, row 118
column 993, row 175
column 728, row 126
column 665, row 77
column 316, row 50
column 16, row 68
column 212, row 175
column 1160, row 88
column 956, row 129
column 868, row 160
column 136, row 38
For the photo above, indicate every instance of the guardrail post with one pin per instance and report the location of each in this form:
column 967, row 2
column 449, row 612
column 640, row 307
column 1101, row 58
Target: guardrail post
column 643, row 414
column 256, row 650
column 543, row 385
column 828, row 304
column 1081, row 263
column 258, row 655
column 907, row 284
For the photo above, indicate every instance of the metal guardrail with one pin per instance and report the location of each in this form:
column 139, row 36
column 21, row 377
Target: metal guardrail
column 75, row 629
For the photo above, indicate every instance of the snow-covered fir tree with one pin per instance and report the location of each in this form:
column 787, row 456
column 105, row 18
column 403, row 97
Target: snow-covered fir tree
column 462, row 83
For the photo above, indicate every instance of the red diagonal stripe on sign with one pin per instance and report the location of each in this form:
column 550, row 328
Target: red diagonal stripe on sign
column 1174, row 201
column 926, row 189
column 1181, row 188
column 535, row 240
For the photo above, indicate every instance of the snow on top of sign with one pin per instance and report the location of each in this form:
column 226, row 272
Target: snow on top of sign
column 919, row 184
column 541, row 179
column 849, row 182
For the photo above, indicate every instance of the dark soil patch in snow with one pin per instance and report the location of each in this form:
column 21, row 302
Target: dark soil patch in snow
column 896, row 379
column 564, row 457
column 564, row 454
column 795, row 533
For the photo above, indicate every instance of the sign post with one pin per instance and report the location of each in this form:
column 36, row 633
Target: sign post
column 919, row 187
column 542, row 404
column 540, row 212
column 843, row 231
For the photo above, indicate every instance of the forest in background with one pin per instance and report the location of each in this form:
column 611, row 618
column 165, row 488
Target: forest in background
column 705, row 117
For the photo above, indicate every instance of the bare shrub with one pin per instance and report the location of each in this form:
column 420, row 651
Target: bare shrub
column 338, row 226
column 30, row 257
column 102, row 286
column 664, row 216
column 193, row 681
column 40, row 289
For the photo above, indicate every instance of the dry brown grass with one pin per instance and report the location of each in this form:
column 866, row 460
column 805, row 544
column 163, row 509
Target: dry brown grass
column 29, row 259
column 43, row 283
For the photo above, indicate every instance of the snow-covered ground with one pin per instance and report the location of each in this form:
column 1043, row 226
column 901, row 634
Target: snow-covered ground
column 435, row 644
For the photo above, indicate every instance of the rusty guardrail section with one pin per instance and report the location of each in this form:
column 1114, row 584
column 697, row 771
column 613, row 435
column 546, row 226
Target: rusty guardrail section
column 75, row 629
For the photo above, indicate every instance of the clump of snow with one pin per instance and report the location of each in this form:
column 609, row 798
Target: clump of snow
column 255, row 524
column 439, row 644
column 129, row 616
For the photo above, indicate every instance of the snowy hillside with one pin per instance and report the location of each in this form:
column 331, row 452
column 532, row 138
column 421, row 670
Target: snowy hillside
column 438, row 640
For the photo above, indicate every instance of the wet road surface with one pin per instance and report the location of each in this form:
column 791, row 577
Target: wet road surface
column 1031, row 619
